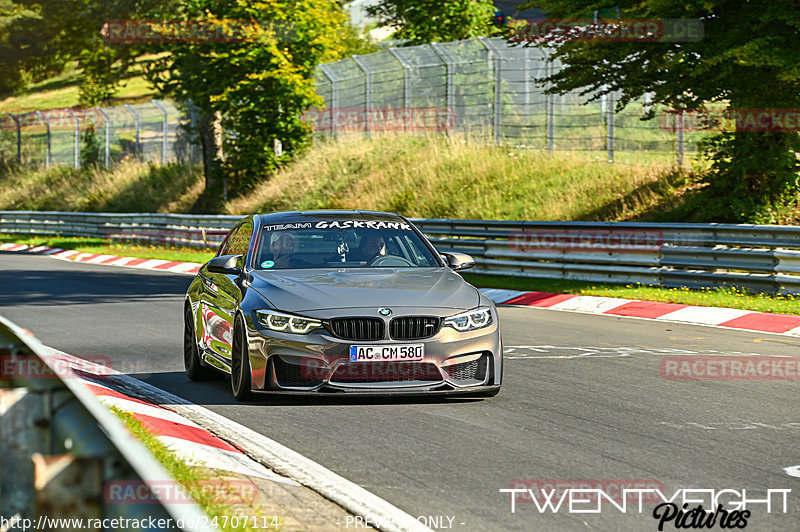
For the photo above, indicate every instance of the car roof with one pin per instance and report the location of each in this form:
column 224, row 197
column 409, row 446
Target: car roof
column 299, row 216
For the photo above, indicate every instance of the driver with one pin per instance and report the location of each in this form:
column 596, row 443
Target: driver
column 370, row 248
column 282, row 249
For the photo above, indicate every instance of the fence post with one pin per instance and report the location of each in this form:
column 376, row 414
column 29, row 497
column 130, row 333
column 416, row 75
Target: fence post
column 610, row 115
column 19, row 137
column 77, row 149
column 407, row 88
column 46, row 120
column 449, row 64
column 138, row 125
column 526, row 75
column 550, row 105
column 679, row 139
column 367, row 95
column 164, row 129
column 334, row 107
column 107, row 140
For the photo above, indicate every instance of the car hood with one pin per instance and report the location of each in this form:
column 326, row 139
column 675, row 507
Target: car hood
column 316, row 289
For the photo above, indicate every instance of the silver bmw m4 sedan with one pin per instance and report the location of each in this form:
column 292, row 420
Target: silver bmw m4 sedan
column 348, row 302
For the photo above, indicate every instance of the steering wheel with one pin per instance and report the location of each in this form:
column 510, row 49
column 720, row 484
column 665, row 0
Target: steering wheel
column 389, row 260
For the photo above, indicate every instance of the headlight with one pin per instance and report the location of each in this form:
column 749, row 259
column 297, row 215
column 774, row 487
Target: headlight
column 278, row 321
column 470, row 320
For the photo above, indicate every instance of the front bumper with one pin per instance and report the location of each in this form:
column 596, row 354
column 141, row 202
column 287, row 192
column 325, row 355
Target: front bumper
column 318, row 363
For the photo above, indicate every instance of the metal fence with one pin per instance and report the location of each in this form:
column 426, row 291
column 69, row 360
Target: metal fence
column 759, row 257
column 478, row 87
column 487, row 87
column 150, row 131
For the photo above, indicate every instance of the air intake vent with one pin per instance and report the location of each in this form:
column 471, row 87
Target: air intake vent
column 296, row 375
column 357, row 328
column 469, row 372
column 413, row 327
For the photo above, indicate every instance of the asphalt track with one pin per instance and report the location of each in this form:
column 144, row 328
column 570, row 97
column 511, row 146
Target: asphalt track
column 583, row 398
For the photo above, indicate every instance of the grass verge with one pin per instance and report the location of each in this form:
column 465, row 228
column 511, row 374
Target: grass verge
column 719, row 297
column 195, row 480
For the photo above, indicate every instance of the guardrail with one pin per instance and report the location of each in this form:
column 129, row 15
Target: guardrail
column 62, row 450
column 759, row 257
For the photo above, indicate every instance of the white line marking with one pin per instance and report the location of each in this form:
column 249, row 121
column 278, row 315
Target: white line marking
column 793, row 471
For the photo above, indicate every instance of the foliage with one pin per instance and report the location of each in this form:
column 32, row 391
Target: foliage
column 90, row 147
column 24, row 53
column 426, row 21
column 748, row 58
column 39, row 37
column 261, row 85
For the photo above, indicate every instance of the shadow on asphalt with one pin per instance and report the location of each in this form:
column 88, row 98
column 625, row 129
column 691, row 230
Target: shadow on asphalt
column 218, row 392
column 60, row 287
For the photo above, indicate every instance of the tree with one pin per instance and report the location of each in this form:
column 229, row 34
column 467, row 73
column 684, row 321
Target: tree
column 426, row 21
column 255, row 89
column 39, row 37
column 25, row 54
column 748, row 58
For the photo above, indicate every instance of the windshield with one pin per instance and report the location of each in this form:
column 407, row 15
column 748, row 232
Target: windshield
column 341, row 244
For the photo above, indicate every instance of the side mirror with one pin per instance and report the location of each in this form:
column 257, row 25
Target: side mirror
column 225, row 264
column 459, row 261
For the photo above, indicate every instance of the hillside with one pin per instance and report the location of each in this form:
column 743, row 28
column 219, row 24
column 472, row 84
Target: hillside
column 435, row 177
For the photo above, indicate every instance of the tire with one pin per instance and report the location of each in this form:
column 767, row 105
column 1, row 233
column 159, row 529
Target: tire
column 241, row 376
column 195, row 369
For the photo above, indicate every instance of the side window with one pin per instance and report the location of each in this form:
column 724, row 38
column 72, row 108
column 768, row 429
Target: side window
column 240, row 242
column 226, row 244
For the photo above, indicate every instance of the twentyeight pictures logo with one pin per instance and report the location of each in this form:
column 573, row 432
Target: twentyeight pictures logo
column 681, row 508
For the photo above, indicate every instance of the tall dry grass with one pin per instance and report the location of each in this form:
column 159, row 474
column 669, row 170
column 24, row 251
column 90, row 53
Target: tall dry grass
column 453, row 177
column 129, row 187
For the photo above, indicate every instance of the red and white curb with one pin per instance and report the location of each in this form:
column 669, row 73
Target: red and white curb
column 107, row 260
column 189, row 441
column 747, row 320
column 202, row 436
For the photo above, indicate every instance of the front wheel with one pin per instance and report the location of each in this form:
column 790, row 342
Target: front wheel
column 195, row 369
column 241, row 377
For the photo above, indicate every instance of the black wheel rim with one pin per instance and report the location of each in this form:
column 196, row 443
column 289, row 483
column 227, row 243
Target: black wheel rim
column 189, row 345
column 236, row 363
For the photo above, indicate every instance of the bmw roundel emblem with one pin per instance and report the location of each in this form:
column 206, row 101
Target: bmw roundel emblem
column 384, row 311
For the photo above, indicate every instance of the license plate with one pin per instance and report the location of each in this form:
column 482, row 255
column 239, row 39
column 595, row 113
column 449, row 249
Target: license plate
column 386, row 353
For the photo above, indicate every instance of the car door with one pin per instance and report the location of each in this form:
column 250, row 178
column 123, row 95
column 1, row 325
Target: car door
column 222, row 294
